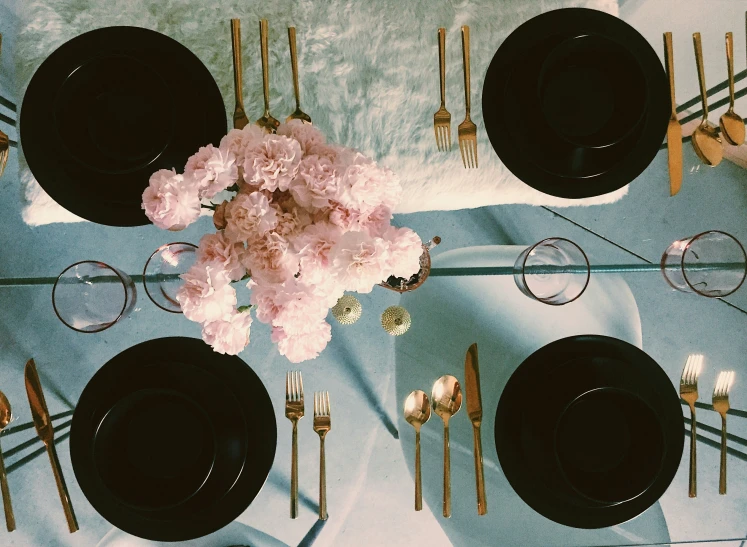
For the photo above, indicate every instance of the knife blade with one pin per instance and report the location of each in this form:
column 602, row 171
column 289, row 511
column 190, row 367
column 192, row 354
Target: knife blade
column 472, row 383
column 39, row 411
column 674, row 130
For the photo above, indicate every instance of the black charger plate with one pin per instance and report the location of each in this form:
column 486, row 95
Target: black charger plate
column 539, row 146
column 171, row 441
column 108, row 109
column 540, row 405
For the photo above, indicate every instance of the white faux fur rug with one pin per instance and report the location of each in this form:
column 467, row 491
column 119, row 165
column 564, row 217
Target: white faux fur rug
column 368, row 70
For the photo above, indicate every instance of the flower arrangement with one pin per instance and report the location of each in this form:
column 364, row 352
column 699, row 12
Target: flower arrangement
column 302, row 220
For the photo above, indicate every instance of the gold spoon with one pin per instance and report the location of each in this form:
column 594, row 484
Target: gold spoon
column 298, row 114
column 446, row 400
column 417, row 412
column 732, row 124
column 5, row 417
column 706, row 142
column 266, row 122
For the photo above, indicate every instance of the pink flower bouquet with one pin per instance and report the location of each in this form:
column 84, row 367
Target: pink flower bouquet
column 302, row 220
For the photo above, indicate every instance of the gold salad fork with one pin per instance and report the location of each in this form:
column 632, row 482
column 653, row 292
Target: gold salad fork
column 239, row 115
column 266, row 122
column 689, row 394
column 322, row 425
column 467, row 129
column 294, row 410
column 298, row 114
column 442, row 117
column 4, row 142
column 721, row 405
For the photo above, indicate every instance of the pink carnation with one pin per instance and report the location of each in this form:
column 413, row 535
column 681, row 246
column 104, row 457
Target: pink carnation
column 360, row 261
column 249, row 216
column 307, row 135
column 405, row 249
column 230, row 335
column 270, row 259
column 313, row 246
column 263, row 297
column 378, row 220
column 238, row 140
column 364, row 185
column 212, row 169
column 217, row 250
column 170, row 202
column 206, row 294
column 346, row 218
column 304, row 346
column 298, row 307
column 316, row 183
column 272, row 164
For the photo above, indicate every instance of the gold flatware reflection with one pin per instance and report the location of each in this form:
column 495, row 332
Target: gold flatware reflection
column 4, row 142
column 689, row 394
column 298, row 114
column 239, row 115
column 467, row 129
column 5, row 417
column 266, row 122
column 721, row 405
column 294, row 410
column 674, row 130
column 446, row 400
column 442, row 117
column 322, row 426
column 731, row 123
column 417, row 412
column 706, row 142
column 43, row 425
column 474, row 410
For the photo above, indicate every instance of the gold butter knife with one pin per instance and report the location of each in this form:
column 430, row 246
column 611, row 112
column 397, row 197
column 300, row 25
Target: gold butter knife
column 43, row 425
column 674, row 130
column 474, row 409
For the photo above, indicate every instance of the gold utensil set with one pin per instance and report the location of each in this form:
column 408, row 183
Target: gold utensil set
column 446, row 400
column 467, row 130
column 266, row 121
column 294, row 411
column 706, row 140
column 43, row 424
column 689, row 394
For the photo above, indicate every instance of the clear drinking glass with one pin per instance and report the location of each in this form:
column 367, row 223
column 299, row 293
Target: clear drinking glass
column 91, row 296
column 162, row 270
column 711, row 264
column 554, row 271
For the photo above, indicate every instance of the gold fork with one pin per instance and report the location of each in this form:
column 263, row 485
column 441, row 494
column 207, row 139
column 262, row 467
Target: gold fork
column 721, row 405
column 689, row 394
column 467, row 129
column 322, row 425
column 294, row 410
column 4, row 143
column 298, row 114
column 239, row 115
column 266, row 122
column 442, row 117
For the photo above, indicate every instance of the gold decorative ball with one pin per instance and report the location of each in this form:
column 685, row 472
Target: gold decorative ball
column 396, row 320
column 347, row 310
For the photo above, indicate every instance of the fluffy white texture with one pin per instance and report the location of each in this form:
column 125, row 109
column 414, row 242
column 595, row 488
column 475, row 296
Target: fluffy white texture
column 357, row 79
column 206, row 294
column 228, row 336
column 170, row 201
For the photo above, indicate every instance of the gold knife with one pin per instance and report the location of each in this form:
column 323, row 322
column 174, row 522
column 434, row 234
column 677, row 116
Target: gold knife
column 43, row 425
column 674, row 130
column 474, row 409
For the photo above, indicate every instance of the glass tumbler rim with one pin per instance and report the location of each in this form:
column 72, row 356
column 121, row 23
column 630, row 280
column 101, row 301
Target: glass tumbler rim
column 101, row 264
column 684, row 270
column 545, row 241
column 145, row 269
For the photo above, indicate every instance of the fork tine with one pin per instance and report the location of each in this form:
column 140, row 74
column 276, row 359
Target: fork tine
column 719, row 384
column 461, row 150
column 300, row 383
column 447, row 137
column 296, row 390
column 287, row 386
column 471, row 147
column 438, row 143
column 475, row 151
column 326, row 395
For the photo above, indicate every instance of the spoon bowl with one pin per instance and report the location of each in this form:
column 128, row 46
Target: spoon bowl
column 417, row 409
column 707, row 145
column 732, row 127
column 5, row 418
column 5, row 411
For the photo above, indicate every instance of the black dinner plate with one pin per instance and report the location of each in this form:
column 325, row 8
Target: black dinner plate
column 589, row 431
column 109, row 108
column 171, row 441
column 575, row 103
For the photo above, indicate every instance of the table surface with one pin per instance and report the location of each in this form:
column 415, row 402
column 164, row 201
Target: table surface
column 369, row 480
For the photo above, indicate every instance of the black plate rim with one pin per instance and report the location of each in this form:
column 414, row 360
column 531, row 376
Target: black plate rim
column 231, row 369
column 572, row 21
column 43, row 155
column 508, row 413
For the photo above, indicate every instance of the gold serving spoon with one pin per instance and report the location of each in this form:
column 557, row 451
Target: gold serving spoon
column 417, row 412
column 5, row 418
column 446, row 400
column 706, row 142
column 298, row 114
column 731, row 123
column 266, row 122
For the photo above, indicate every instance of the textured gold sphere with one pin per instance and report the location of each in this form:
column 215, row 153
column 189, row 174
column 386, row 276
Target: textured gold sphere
column 347, row 310
column 396, row 320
